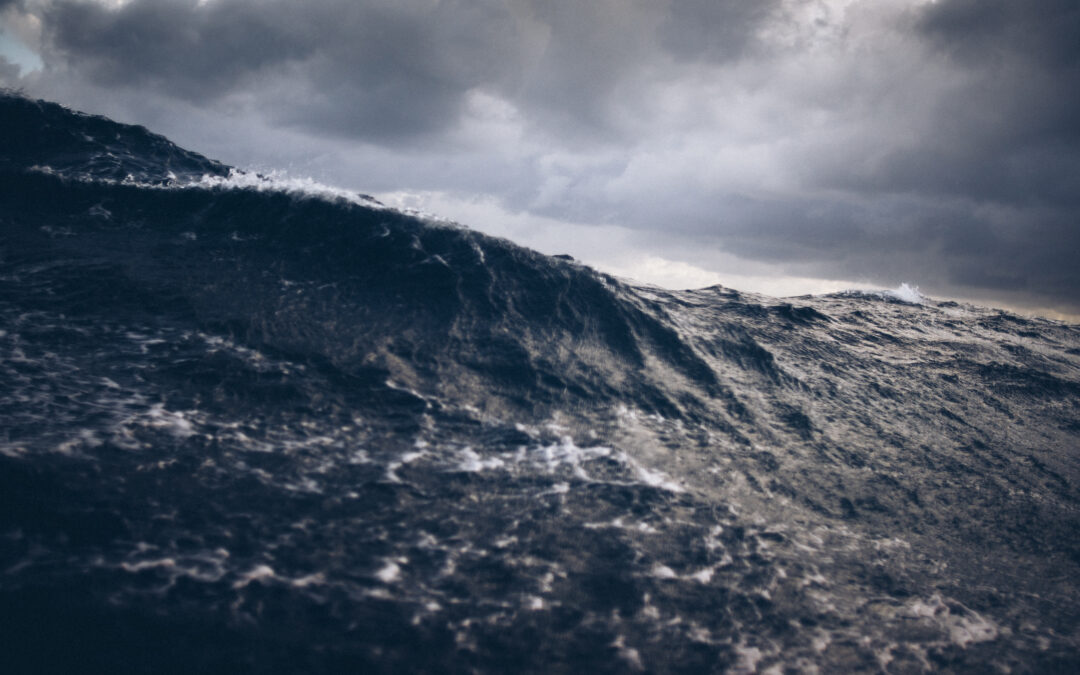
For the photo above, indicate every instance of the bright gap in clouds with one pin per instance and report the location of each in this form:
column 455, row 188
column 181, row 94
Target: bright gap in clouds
column 15, row 52
column 616, row 250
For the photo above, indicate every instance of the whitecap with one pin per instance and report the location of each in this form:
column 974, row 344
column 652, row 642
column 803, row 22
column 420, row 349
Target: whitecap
column 389, row 573
column 905, row 292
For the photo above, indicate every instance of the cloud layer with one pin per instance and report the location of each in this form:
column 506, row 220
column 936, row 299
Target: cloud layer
column 937, row 142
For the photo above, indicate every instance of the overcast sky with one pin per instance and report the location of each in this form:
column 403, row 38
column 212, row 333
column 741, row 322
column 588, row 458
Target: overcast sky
column 783, row 146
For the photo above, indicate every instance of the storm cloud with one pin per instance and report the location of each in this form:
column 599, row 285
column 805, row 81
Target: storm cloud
column 876, row 141
column 387, row 70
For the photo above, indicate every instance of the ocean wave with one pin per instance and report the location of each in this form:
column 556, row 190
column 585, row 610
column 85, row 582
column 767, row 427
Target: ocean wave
column 904, row 293
column 255, row 422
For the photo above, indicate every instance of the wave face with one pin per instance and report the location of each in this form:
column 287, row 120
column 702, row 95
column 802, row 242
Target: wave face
column 251, row 426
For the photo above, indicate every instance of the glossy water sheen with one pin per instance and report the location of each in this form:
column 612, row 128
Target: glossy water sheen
column 257, row 426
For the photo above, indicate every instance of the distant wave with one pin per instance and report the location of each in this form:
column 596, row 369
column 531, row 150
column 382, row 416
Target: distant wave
column 905, row 293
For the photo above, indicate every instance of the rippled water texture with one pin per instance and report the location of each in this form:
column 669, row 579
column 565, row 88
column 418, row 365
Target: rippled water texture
column 250, row 425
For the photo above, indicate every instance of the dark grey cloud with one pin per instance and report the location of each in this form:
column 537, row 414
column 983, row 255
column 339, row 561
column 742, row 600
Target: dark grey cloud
column 191, row 51
column 712, row 29
column 340, row 67
column 1008, row 131
column 993, row 32
column 995, row 170
column 384, row 69
column 878, row 140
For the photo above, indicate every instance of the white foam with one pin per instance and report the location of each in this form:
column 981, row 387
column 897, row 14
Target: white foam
column 653, row 478
column 207, row 566
column 905, row 292
column 15, row 451
column 663, row 572
column 406, row 458
column 972, row 629
column 309, row 580
column 628, row 654
column 71, row 447
column 274, row 181
column 964, row 626
column 557, row 489
column 473, row 463
column 567, row 453
column 749, row 657
column 175, row 422
column 278, row 182
column 147, row 565
column 390, row 573
column 255, row 574
column 703, row 575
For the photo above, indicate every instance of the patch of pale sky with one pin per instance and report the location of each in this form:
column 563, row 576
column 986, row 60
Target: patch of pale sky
column 614, row 249
column 19, row 35
column 12, row 49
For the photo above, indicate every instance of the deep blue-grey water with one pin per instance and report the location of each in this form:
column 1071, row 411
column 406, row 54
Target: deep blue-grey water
column 249, row 425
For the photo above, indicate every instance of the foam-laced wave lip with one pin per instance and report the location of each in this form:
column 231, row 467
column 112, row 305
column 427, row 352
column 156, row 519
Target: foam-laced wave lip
column 303, row 187
column 238, row 179
column 905, row 293
column 279, row 182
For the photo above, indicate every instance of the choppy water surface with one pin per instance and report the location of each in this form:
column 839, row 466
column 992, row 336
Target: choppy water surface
column 249, row 425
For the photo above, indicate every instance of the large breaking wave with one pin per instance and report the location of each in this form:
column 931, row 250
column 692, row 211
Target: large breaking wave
column 265, row 425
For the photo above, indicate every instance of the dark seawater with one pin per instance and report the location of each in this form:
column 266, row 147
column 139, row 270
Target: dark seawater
column 249, row 425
